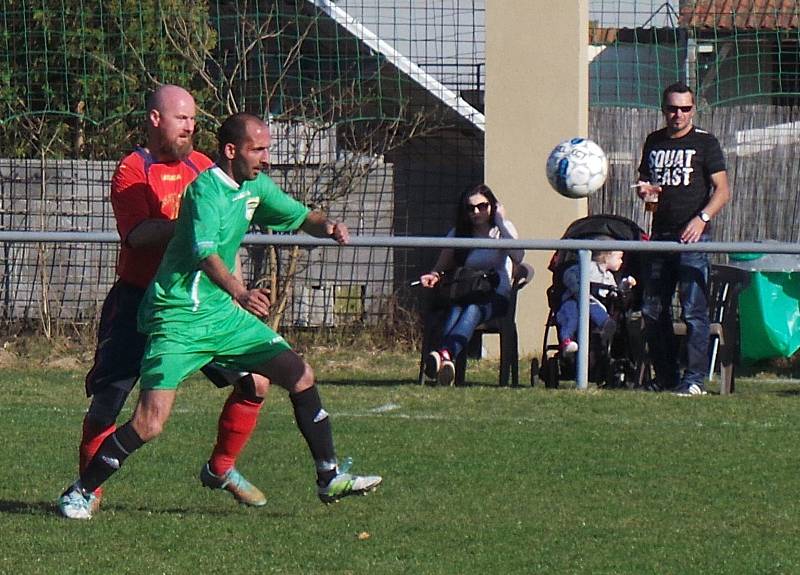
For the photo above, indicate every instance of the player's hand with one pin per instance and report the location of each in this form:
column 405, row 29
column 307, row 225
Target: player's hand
column 256, row 301
column 693, row 230
column 340, row 233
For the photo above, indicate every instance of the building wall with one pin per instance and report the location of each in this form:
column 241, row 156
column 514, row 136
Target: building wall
column 68, row 281
column 536, row 96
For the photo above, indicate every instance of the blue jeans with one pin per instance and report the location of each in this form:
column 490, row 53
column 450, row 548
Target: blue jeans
column 661, row 274
column 567, row 317
column 462, row 320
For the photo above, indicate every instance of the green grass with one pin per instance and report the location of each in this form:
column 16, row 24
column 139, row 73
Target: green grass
column 477, row 480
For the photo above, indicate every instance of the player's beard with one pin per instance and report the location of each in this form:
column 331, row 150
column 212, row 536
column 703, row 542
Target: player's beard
column 177, row 150
column 181, row 151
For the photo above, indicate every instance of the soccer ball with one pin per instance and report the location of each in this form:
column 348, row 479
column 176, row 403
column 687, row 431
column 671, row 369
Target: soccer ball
column 577, row 168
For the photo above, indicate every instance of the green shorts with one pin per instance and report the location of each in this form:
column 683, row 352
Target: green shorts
column 239, row 341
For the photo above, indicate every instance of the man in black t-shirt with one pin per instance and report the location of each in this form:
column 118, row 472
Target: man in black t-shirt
column 684, row 168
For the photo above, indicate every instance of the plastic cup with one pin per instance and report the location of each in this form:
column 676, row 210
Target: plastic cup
column 650, row 202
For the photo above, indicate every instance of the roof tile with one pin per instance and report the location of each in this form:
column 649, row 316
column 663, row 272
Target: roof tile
column 741, row 14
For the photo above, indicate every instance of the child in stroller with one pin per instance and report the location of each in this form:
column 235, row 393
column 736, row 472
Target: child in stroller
column 604, row 290
column 616, row 347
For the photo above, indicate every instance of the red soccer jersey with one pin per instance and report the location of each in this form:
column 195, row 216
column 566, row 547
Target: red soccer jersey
column 143, row 189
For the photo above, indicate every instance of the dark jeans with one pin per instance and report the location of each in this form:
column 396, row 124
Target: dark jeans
column 462, row 320
column 567, row 317
column 662, row 273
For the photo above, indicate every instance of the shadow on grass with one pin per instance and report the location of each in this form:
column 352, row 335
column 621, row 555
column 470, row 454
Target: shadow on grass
column 27, row 507
column 396, row 382
column 355, row 382
column 788, row 368
column 197, row 510
column 50, row 508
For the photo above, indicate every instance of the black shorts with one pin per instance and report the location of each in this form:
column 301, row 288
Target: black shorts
column 120, row 346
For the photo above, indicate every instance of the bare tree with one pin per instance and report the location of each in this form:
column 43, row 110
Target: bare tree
column 333, row 109
column 44, row 137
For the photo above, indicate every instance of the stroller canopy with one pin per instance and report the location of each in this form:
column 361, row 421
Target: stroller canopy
column 596, row 226
column 615, row 227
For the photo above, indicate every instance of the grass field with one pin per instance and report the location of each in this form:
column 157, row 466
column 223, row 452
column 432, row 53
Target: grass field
column 476, row 480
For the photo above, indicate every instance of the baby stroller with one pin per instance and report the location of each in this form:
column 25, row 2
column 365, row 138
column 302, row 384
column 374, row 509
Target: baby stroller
column 613, row 362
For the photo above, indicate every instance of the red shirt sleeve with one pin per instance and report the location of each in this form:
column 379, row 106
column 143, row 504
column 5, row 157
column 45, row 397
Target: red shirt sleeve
column 129, row 196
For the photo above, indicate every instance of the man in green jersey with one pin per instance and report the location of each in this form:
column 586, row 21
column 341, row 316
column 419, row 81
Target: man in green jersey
column 196, row 310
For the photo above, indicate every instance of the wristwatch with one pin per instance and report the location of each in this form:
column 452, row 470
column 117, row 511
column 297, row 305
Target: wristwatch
column 704, row 216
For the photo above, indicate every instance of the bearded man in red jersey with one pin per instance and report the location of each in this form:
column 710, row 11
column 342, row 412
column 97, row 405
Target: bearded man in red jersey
column 146, row 192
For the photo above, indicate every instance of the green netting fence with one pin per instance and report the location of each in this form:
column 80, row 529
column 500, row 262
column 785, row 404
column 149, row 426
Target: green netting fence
column 377, row 108
column 731, row 53
column 374, row 109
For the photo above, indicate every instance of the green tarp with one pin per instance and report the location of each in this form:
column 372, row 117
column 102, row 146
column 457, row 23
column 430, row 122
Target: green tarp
column 769, row 315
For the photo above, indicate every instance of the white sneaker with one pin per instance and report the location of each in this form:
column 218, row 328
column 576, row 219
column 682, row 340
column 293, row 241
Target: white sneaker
column 447, row 373
column 433, row 361
column 692, row 390
column 344, row 484
column 73, row 504
column 569, row 347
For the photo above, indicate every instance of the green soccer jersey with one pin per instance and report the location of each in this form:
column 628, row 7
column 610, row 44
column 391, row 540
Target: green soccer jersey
column 214, row 216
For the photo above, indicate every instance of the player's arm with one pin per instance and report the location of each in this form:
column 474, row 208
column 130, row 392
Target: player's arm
column 129, row 200
column 237, row 269
column 319, row 225
column 201, row 206
column 151, row 233
column 256, row 301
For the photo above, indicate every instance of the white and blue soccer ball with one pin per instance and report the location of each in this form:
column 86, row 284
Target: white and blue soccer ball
column 577, row 168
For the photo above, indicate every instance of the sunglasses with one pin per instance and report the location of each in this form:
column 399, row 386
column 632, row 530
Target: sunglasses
column 482, row 207
column 674, row 109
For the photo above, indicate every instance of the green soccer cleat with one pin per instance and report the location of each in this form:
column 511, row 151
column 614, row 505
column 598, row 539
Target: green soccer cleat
column 345, row 484
column 75, row 504
column 242, row 490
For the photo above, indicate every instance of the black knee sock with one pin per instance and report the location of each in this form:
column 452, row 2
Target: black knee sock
column 110, row 457
column 315, row 425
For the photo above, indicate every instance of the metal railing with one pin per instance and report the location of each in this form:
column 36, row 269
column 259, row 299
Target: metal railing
column 583, row 247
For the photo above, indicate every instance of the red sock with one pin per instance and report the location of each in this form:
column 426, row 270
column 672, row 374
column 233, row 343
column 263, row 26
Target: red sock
column 236, row 424
column 93, row 435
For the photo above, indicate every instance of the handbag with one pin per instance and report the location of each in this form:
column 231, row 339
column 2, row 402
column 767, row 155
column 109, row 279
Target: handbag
column 467, row 285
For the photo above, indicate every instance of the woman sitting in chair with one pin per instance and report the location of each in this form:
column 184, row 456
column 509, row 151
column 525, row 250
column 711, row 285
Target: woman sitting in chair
column 479, row 215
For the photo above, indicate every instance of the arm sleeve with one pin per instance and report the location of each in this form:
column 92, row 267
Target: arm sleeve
column 509, row 231
column 129, row 192
column 277, row 210
column 716, row 160
column 203, row 219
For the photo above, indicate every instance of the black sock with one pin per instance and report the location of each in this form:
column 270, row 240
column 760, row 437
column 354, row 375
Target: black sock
column 315, row 425
column 110, row 457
